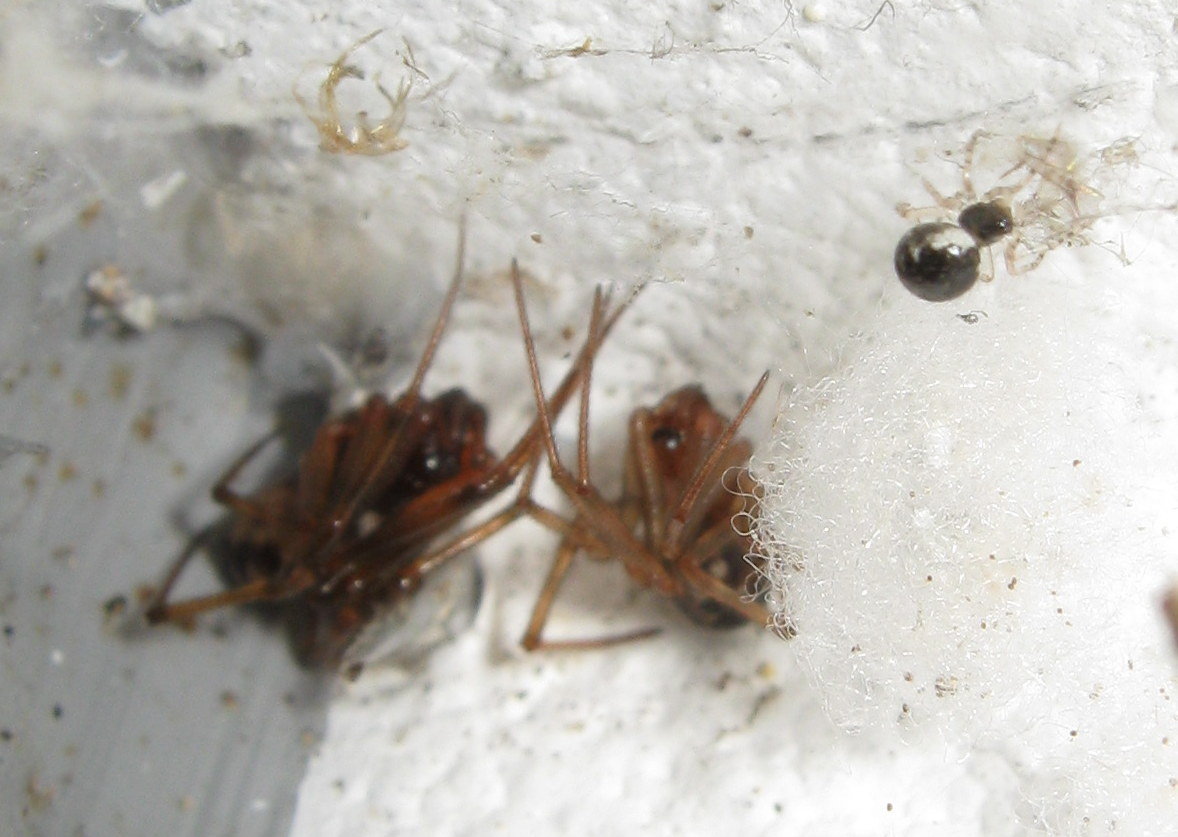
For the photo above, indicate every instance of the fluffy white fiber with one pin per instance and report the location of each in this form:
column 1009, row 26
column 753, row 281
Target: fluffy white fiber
column 966, row 526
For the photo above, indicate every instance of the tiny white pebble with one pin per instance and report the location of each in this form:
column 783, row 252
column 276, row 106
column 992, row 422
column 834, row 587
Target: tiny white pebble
column 814, row 13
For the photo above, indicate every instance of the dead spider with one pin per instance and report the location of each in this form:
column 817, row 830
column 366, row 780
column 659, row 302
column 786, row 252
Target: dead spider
column 1035, row 207
column 362, row 137
column 349, row 535
column 672, row 528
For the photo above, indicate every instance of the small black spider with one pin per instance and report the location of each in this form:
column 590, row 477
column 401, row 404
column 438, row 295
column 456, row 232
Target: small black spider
column 939, row 261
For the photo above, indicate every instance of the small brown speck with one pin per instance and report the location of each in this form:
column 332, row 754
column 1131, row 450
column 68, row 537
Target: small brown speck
column 1074, row 733
column 90, row 213
column 80, row 397
column 68, row 471
column 1013, row 583
column 246, row 350
column 228, row 699
column 54, row 369
column 39, row 797
column 567, row 332
column 536, row 237
column 5, row 735
column 766, row 671
column 1075, row 463
column 748, row 232
column 185, row 803
column 889, row 806
column 143, row 425
column 179, row 469
column 57, row 711
column 120, row 380
column 745, row 132
column 40, row 255
column 30, row 482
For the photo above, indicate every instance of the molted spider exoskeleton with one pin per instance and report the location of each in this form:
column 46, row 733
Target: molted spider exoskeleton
column 362, row 137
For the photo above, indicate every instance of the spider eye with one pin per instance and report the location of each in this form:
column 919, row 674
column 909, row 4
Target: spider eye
column 667, row 437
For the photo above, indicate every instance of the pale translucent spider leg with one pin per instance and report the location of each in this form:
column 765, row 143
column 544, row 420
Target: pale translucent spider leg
column 968, row 193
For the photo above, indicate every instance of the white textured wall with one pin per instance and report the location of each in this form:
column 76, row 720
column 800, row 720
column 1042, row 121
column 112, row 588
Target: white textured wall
column 748, row 156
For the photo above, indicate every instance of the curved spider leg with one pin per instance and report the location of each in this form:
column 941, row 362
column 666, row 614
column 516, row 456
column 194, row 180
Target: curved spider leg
column 532, row 639
column 225, row 496
column 157, row 609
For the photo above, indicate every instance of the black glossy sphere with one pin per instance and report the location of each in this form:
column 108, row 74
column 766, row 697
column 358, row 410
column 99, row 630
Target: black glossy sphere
column 937, row 262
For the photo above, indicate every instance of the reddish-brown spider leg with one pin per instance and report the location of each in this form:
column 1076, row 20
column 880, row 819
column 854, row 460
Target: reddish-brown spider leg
column 392, row 454
column 397, row 449
column 432, row 505
column 585, row 499
column 532, row 640
column 156, row 610
column 705, row 471
column 587, row 502
column 605, row 530
column 524, row 454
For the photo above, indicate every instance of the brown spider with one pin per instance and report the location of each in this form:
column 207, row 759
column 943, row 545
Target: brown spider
column 672, row 528
column 349, row 534
column 361, row 138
